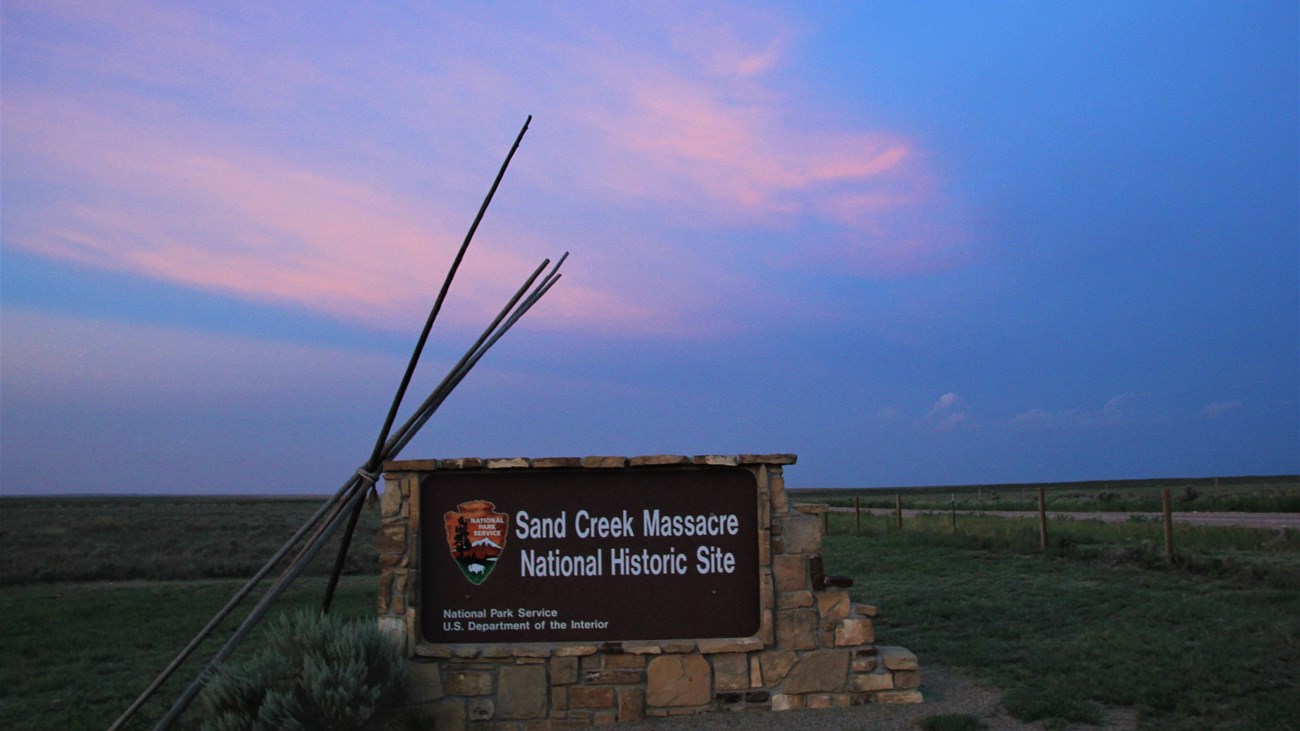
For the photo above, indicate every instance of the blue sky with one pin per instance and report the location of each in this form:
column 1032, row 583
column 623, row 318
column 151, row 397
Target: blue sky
column 913, row 243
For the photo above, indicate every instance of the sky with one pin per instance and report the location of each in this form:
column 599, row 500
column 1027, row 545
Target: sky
column 913, row 243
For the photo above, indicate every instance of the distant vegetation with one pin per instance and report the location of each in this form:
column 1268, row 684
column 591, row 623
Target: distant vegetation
column 159, row 538
column 1274, row 494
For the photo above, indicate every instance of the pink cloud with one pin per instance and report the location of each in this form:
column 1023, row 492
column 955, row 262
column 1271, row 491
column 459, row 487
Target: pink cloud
column 945, row 403
column 237, row 221
column 199, row 152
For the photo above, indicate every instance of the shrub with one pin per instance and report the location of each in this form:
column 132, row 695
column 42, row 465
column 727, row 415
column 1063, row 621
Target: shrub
column 1055, row 706
column 314, row 673
column 952, row 722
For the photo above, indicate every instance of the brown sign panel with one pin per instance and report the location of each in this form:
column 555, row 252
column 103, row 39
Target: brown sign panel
column 588, row 555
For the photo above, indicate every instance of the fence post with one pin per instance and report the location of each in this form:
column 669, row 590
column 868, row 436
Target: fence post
column 857, row 512
column 954, row 513
column 1169, row 526
column 826, row 522
column 1042, row 519
column 898, row 510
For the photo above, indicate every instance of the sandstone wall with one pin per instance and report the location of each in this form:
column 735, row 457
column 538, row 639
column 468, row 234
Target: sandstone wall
column 815, row 647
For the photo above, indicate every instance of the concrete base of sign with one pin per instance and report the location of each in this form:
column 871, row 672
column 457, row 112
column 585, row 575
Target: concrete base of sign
column 815, row 647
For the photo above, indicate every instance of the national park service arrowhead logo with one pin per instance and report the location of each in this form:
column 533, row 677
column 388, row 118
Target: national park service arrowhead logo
column 476, row 535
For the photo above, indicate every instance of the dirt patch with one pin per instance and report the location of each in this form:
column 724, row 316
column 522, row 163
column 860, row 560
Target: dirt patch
column 946, row 692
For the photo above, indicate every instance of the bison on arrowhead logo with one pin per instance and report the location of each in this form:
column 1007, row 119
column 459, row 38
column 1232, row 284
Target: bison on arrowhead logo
column 476, row 535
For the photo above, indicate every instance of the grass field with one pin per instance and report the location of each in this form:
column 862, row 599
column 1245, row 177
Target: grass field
column 1275, row 494
column 93, row 610
column 158, row 538
column 98, row 595
column 1199, row 645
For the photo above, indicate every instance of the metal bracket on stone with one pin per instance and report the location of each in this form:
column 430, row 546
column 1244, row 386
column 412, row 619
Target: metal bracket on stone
column 819, row 578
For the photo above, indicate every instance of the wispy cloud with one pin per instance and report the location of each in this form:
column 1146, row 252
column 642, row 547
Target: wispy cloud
column 944, row 414
column 193, row 149
column 1119, row 409
column 1219, row 408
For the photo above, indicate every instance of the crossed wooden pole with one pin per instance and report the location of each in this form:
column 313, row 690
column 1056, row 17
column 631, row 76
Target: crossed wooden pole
column 346, row 504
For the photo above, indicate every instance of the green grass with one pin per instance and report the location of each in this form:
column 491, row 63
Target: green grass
column 1270, row 557
column 75, row 655
column 1066, row 636
column 952, row 722
column 99, row 594
column 1276, row 494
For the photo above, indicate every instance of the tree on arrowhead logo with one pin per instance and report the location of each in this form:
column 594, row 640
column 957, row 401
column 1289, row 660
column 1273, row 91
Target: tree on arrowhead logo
column 476, row 535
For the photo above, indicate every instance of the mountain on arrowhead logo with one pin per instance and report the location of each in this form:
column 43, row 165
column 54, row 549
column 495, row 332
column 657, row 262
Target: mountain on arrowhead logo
column 476, row 535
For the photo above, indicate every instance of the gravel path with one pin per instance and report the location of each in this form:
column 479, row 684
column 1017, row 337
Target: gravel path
column 946, row 692
column 1276, row 521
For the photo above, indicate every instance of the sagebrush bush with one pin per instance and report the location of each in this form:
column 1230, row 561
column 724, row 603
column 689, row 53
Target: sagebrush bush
column 314, row 673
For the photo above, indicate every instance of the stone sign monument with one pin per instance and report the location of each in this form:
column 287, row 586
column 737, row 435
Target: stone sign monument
column 568, row 592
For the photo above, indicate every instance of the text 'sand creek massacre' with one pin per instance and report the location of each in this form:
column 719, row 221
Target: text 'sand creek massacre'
column 588, row 555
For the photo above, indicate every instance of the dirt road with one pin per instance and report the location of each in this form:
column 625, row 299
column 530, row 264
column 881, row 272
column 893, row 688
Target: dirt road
column 1276, row 521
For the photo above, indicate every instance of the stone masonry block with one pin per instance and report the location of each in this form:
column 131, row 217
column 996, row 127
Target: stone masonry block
column 820, row 700
column 869, row 682
column 822, row 671
column 480, row 709
column 907, row 679
column 678, row 680
column 522, row 692
column 834, row 603
column 583, row 696
column 796, row 629
column 544, row 463
column 624, row 661
column 390, row 501
column 392, row 540
column 468, row 682
column 424, row 682
column 449, row 714
column 776, row 665
column 776, row 481
column 394, row 628
column 854, row 632
column 899, row 696
column 801, row 532
column 618, row 676
column 744, row 644
column 896, row 658
column 863, row 664
column 786, row 702
column 731, row 671
column 631, row 704
column 790, row 572
column 385, row 596
column 767, row 627
column 575, row 650
column 794, row 599
column 655, row 460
